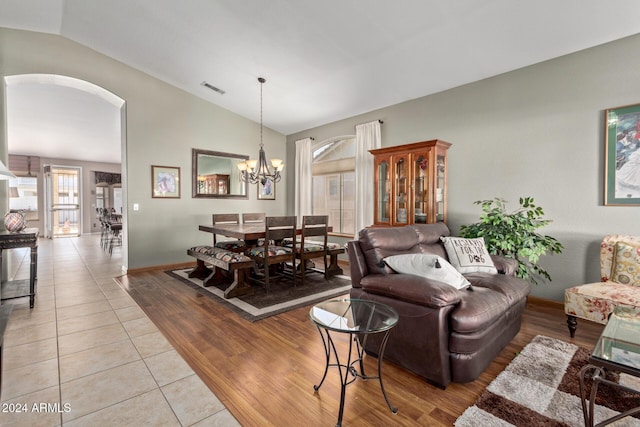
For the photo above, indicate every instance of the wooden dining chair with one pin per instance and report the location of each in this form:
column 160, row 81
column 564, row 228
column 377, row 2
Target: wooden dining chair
column 255, row 218
column 237, row 246
column 277, row 228
column 248, row 218
column 313, row 242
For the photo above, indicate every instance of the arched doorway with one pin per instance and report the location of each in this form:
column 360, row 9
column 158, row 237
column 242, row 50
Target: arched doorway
column 70, row 120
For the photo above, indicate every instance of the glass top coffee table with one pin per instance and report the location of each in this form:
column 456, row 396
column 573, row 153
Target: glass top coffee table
column 359, row 319
column 617, row 349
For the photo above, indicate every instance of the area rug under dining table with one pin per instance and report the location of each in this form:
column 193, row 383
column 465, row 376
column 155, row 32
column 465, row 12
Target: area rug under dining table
column 282, row 297
column 540, row 387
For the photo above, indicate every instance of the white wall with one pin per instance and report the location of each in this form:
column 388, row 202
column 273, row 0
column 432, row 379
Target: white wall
column 539, row 132
column 163, row 124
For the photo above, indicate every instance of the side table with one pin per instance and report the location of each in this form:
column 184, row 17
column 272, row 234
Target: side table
column 359, row 319
column 27, row 238
column 617, row 349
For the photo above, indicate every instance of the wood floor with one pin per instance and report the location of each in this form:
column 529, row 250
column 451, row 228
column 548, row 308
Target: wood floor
column 264, row 372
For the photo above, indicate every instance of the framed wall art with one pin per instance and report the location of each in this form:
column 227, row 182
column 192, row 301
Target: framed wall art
column 165, row 182
column 267, row 191
column 622, row 156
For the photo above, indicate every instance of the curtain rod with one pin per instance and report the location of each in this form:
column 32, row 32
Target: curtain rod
column 379, row 121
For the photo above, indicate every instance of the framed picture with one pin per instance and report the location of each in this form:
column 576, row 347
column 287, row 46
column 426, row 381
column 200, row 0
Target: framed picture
column 622, row 156
column 165, row 182
column 267, row 191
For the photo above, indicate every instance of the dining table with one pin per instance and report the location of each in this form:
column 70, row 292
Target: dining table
column 252, row 232
column 249, row 232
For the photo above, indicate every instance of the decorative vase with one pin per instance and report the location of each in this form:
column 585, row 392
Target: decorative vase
column 15, row 221
column 402, row 215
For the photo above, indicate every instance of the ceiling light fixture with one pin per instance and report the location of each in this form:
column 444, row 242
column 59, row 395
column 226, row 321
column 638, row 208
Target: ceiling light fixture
column 254, row 171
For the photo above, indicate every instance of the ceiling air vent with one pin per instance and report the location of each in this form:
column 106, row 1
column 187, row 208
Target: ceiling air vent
column 213, row 88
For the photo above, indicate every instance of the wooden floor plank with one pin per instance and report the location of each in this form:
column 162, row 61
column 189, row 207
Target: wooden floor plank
column 264, row 372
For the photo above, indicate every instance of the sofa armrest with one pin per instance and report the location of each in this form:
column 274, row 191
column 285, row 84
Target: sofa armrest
column 413, row 289
column 357, row 264
column 507, row 266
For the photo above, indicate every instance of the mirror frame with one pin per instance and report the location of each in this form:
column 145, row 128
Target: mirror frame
column 195, row 152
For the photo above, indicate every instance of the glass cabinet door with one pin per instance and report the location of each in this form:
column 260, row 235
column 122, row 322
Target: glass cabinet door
column 384, row 192
column 410, row 184
column 401, row 186
column 420, row 188
column 440, row 177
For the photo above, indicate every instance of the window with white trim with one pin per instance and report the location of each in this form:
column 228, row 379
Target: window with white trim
column 333, row 171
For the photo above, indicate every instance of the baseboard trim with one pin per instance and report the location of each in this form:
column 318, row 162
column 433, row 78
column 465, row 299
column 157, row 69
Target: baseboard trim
column 164, row 267
column 545, row 302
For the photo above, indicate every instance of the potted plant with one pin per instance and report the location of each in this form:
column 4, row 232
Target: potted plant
column 513, row 234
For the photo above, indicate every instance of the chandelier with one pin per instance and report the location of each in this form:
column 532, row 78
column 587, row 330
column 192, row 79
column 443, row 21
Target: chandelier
column 254, row 171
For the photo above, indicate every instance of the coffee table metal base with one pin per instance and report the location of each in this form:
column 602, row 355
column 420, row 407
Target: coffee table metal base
column 348, row 371
column 588, row 410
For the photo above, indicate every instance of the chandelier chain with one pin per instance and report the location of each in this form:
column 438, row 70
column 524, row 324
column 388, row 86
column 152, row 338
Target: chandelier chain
column 261, row 84
column 254, row 171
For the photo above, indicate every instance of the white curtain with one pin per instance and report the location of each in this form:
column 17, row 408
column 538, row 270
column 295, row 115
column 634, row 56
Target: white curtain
column 367, row 138
column 304, row 179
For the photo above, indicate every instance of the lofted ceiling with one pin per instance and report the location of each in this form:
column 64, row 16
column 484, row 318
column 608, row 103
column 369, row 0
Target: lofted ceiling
column 323, row 60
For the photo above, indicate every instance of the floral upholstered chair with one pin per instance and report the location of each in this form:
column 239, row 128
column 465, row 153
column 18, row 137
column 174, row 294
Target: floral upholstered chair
column 619, row 283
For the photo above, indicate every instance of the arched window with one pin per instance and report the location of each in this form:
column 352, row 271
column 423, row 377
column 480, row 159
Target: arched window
column 333, row 171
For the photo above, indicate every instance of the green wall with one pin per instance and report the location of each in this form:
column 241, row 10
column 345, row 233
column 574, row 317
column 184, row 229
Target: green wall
column 537, row 131
column 162, row 125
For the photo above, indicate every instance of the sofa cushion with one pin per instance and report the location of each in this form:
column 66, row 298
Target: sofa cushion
column 477, row 310
column 596, row 301
column 469, row 255
column 489, row 298
column 471, row 342
column 430, row 266
column 513, row 288
column 607, row 251
column 626, row 264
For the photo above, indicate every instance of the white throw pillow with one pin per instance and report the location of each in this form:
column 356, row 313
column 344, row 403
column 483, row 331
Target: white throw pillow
column 430, row 266
column 469, row 255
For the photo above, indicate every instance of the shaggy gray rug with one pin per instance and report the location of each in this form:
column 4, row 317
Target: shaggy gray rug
column 540, row 388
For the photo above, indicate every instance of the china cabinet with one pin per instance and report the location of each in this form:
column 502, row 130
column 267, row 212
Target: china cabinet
column 410, row 183
column 214, row 184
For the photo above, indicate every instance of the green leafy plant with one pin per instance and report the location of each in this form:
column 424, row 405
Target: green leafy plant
column 513, row 235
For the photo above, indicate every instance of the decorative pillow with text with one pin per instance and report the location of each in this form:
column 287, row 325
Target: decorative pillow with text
column 430, row 266
column 468, row 255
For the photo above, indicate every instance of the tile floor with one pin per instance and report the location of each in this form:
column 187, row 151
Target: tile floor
column 87, row 355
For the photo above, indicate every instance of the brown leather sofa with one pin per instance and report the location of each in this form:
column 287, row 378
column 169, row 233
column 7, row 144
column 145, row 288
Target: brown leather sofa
column 443, row 334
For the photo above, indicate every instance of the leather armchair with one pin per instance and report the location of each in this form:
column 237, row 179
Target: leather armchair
column 444, row 334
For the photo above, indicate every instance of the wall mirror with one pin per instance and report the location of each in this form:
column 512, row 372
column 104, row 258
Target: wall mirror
column 216, row 174
column 23, row 196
